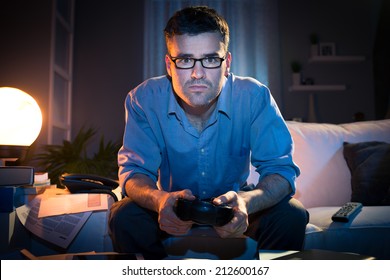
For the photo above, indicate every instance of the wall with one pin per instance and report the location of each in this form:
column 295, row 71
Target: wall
column 25, row 28
column 351, row 25
column 381, row 59
column 108, row 52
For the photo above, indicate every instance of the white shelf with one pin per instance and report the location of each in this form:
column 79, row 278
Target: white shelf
column 317, row 88
column 336, row 58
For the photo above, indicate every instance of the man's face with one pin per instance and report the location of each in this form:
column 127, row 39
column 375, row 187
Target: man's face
column 197, row 87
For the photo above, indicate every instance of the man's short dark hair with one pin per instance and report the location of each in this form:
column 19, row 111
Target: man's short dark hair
column 195, row 20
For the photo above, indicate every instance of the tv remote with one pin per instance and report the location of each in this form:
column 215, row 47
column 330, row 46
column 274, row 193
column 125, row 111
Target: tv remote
column 347, row 212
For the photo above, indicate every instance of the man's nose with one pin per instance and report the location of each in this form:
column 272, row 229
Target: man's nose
column 198, row 71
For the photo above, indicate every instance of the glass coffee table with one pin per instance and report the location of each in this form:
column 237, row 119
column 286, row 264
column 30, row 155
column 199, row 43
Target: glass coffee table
column 313, row 254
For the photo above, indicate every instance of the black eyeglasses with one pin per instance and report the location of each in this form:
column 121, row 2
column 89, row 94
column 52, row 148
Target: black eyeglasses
column 210, row 62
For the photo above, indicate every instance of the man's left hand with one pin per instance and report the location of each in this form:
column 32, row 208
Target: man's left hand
column 239, row 223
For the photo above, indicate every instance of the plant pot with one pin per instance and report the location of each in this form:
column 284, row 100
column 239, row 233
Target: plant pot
column 296, row 78
column 313, row 50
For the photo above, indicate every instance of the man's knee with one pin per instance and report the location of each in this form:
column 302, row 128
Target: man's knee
column 124, row 214
column 287, row 215
column 135, row 229
column 298, row 214
column 119, row 212
column 291, row 214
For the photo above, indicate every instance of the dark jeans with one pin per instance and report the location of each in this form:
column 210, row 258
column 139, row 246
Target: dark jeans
column 134, row 229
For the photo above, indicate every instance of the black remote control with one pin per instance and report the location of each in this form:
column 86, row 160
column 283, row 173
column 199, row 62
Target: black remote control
column 347, row 212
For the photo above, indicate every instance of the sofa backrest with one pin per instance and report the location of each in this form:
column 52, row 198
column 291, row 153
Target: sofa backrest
column 325, row 178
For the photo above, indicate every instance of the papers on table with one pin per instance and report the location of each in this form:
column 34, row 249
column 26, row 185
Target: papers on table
column 57, row 216
column 58, row 203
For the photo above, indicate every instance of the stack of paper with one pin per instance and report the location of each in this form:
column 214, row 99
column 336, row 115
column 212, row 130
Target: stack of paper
column 41, row 179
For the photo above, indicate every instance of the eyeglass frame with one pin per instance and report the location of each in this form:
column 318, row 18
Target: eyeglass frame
column 197, row 59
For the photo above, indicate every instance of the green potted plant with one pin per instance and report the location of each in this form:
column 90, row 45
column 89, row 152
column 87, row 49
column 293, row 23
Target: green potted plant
column 296, row 68
column 72, row 157
column 313, row 44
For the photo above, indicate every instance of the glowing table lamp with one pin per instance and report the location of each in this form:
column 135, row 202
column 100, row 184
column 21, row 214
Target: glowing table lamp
column 20, row 122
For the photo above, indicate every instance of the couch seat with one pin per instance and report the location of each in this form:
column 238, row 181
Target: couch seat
column 363, row 234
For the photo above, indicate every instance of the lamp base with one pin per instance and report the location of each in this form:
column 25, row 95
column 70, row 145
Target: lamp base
column 12, row 153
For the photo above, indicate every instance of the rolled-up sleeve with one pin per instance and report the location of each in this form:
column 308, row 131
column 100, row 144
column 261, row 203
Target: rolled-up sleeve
column 138, row 143
column 271, row 141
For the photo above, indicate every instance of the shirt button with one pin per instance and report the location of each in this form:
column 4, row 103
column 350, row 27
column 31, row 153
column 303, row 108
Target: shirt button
column 203, row 173
column 202, row 151
column 203, row 192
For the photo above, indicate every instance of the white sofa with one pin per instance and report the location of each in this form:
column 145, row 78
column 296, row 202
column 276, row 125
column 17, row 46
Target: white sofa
column 325, row 184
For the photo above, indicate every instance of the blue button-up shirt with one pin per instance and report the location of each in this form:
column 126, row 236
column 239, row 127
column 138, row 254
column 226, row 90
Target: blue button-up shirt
column 246, row 126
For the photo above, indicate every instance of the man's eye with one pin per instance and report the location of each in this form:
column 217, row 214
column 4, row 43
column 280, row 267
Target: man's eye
column 210, row 59
column 185, row 60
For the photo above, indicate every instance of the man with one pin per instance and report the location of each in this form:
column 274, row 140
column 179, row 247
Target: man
column 192, row 134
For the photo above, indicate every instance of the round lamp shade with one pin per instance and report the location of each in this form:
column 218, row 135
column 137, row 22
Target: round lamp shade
column 20, row 118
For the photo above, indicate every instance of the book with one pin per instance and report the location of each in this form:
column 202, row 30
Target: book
column 41, row 178
column 42, row 183
column 35, row 189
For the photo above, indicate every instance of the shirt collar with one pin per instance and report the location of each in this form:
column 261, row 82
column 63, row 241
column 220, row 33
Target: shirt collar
column 224, row 104
column 173, row 105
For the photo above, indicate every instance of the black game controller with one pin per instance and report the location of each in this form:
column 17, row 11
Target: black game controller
column 203, row 212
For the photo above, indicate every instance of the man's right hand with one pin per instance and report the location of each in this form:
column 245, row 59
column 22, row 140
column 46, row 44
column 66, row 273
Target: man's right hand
column 167, row 218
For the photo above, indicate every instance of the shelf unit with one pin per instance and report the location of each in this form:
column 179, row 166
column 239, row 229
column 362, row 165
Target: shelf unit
column 312, row 89
column 336, row 58
column 325, row 59
column 317, row 88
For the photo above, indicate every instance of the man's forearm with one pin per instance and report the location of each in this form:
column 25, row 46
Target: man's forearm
column 268, row 192
column 143, row 191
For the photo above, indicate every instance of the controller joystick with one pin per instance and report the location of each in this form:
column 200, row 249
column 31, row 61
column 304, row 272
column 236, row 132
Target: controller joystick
column 203, row 212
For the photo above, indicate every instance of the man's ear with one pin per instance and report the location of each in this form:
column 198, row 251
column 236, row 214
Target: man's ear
column 168, row 65
column 228, row 63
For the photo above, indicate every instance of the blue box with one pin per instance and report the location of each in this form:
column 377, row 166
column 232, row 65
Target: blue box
column 7, row 195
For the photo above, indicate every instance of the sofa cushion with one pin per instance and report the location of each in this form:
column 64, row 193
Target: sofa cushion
column 369, row 163
column 367, row 131
column 324, row 172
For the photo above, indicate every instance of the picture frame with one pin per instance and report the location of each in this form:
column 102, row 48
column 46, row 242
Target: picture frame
column 327, row 49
